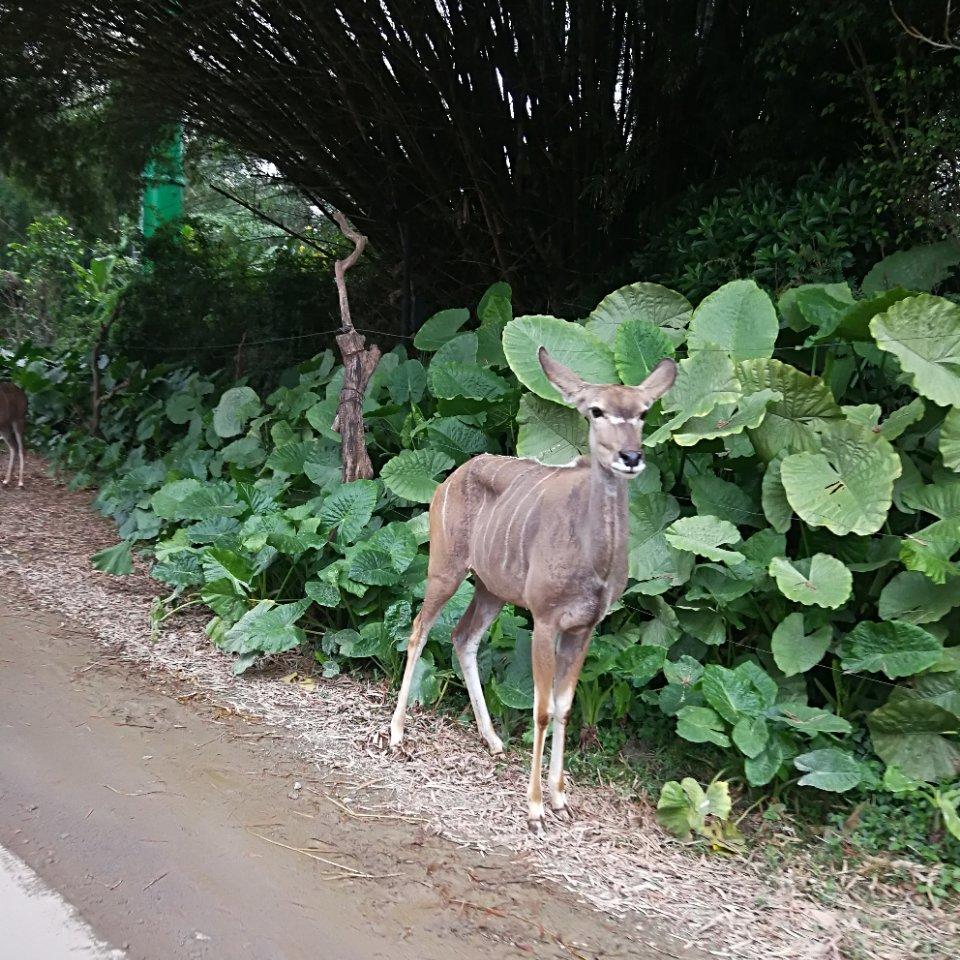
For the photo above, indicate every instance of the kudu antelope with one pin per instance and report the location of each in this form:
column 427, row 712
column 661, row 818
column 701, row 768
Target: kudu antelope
column 551, row 539
column 13, row 424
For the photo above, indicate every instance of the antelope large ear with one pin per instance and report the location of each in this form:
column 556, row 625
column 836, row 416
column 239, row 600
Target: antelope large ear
column 563, row 378
column 659, row 382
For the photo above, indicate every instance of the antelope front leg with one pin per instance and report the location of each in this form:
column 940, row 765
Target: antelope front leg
column 571, row 652
column 544, row 660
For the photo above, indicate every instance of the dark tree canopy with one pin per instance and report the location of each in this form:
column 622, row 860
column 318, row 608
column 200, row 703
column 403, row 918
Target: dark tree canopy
column 532, row 140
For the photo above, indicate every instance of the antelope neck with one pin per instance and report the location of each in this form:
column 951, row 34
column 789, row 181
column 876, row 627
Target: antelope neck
column 606, row 519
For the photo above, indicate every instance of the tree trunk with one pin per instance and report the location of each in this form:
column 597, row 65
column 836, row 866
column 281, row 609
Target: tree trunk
column 359, row 362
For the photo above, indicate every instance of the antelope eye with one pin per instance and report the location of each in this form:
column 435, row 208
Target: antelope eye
column 596, row 413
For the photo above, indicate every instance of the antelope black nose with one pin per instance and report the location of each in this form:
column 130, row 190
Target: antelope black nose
column 630, row 457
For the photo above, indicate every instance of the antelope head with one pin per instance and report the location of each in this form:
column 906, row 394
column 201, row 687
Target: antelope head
column 615, row 413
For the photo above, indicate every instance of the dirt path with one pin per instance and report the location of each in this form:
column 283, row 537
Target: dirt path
column 155, row 819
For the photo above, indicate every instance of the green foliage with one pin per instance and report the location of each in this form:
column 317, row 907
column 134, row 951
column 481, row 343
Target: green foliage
column 820, row 229
column 792, row 594
column 685, row 808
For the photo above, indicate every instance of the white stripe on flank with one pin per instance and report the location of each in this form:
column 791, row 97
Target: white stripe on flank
column 521, row 502
column 498, row 506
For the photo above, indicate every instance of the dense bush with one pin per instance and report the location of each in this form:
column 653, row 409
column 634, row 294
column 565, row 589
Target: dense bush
column 209, row 287
column 824, row 228
column 793, row 598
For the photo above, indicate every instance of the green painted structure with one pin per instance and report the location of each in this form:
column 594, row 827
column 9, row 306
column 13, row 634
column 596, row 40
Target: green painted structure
column 163, row 183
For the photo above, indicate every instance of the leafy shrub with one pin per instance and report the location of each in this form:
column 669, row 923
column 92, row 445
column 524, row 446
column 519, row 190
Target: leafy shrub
column 824, row 228
column 792, row 603
column 209, row 288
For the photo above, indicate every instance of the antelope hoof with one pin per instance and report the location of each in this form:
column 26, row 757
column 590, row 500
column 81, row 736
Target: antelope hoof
column 396, row 737
column 535, row 814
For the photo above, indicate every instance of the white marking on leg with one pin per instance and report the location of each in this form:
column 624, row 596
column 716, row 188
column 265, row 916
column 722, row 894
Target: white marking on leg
column 562, row 703
column 443, row 509
column 17, row 433
column 471, row 677
column 413, row 655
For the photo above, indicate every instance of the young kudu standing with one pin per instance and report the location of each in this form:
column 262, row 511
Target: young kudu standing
column 551, row 539
column 13, row 424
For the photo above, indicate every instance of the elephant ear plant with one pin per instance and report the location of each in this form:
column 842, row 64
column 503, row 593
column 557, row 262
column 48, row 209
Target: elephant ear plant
column 793, row 599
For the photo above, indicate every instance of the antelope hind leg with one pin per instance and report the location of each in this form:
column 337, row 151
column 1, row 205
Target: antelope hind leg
column 12, row 448
column 466, row 641
column 572, row 650
column 18, row 433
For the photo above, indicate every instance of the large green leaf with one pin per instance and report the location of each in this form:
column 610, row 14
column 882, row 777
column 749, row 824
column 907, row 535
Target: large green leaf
column 813, row 720
column 919, row 268
column 639, row 347
column 923, row 333
column 792, row 421
column 848, row 487
column 750, row 734
column 549, row 432
column 739, row 318
column 455, row 438
column 412, row 474
column 245, row 452
column 727, row 419
column 732, row 693
column 461, row 349
column 704, row 381
column 385, row 556
column 267, row 628
column 115, row 560
column 895, row 648
column 291, row 458
column 720, row 498
column 192, row 500
column 349, row 508
column 701, row 725
column 237, row 407
column 684, row 807
column 830, row 769
column 660, row 306
column 950, row 439
column 794, row 650
column 407, row 382
column 515, row 688
column 653, row 562
column 821, row 580
column 940, row 499
column 930, row 551
column 915, row 598
column 916, row 735
column 814, row 304
column 703, row 535
column 773, row 498
column 449, row 380
column 762, row 768
column 568, row 343
column 440, row 328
